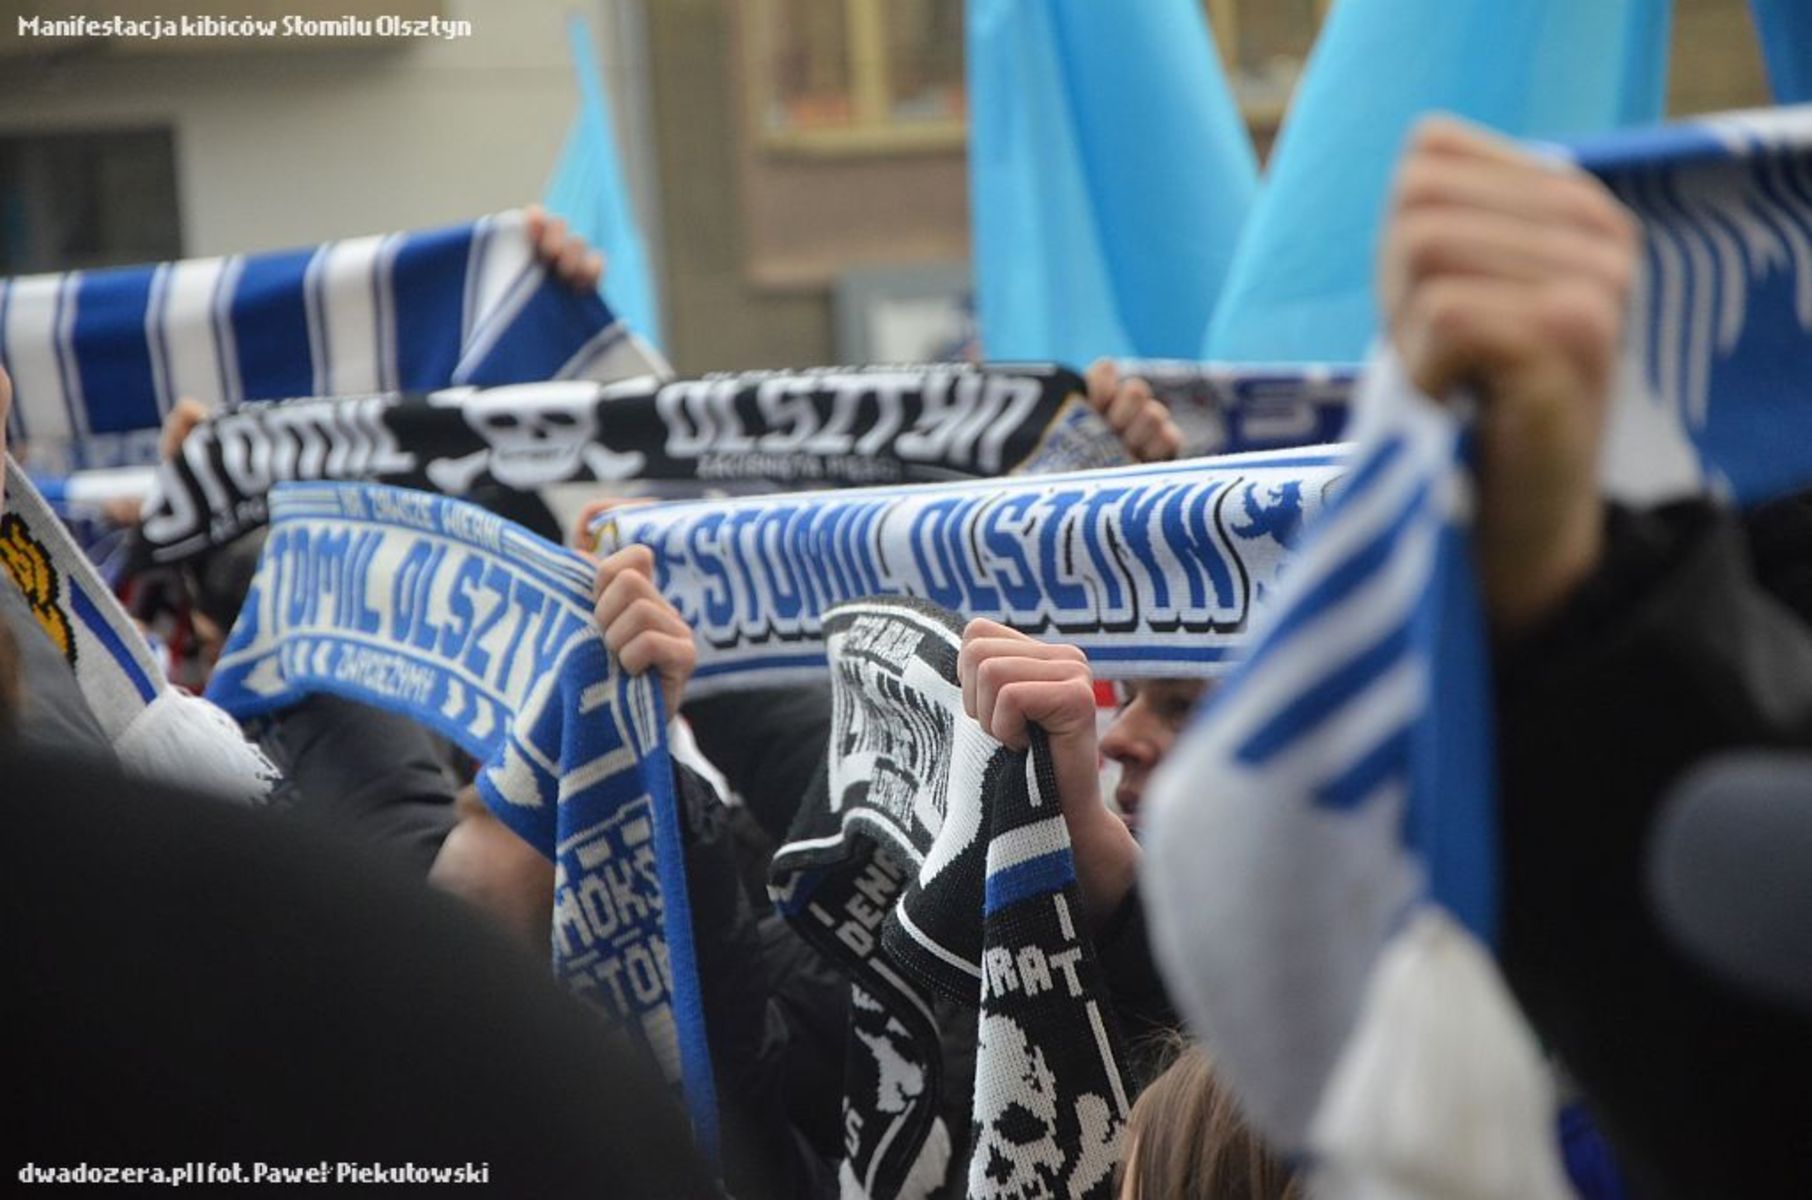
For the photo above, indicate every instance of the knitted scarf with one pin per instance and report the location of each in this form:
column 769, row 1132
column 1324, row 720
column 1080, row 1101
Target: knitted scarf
column 476, row 628
column 98, row 357
column 1152, row 570
column 1323, row 841
column 817, row 428
column 156, row 729
column 933, row 860
column 1232, row 408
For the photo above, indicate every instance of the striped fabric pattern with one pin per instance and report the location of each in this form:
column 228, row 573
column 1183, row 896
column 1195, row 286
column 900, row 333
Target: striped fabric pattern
column 1333, row 803
column 99, row 357
column 1323, row 815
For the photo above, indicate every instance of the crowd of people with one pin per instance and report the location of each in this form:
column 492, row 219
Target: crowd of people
column 202, row 981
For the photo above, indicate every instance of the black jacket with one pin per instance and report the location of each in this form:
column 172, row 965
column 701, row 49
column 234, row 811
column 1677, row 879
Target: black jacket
column 1675, row 650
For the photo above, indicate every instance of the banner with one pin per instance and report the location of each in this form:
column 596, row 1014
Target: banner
column 1153, row 570
column 478, row 629
column 98, row 358
column 759, row 429
column 933, row 861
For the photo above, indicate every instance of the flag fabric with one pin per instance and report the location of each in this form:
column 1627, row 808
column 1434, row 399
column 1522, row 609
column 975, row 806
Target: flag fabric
column 98, row 358
column 471, row 625
column 1784, row 28
column 587, row 190
column 1323, row 909
column 1300, row 285
column 1109, row 173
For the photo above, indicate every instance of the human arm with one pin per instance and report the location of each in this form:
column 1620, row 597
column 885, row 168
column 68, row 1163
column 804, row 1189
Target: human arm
column 1011, row 682
column 1627, row 647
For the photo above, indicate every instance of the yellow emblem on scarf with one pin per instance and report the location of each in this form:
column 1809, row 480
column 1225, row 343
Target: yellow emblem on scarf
column 28, row 562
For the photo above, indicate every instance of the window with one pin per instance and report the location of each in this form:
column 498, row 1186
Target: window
column 854, row 76
column 74, row 201
column 1264, row 44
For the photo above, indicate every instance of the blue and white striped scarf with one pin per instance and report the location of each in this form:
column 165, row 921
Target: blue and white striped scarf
column 474, row 627
column 98, row 357
column 1322, row 842
column 1153, row 570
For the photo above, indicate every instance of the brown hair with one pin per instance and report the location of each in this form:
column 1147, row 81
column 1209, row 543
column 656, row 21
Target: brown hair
column 1186, row 1140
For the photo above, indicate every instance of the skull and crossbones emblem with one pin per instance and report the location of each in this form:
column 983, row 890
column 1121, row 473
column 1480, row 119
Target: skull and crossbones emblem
column 1018, row 1152
column 535, row 434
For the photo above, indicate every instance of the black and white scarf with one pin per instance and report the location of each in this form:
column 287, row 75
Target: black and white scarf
column 819, row 428
column 935, row 861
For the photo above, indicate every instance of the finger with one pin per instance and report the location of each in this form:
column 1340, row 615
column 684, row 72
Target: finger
column 1453, row 329
column 1167, row 443
column 983, row 627
column 1102, row 377
column 534, row 222
column 1587, row 322
column 591, row 276
column 1145, row 436
column 1057, row 706
column 630, row 560
column 582, row 537
column 1127, row 401
column 994, row 675
column 181, row 421
column 1528, row 191
column 1432, row 243
column 626, row 594
column 1446, row 134
column 583, row 534
column 627, row 616
column 571, row 266
column 552, row 241
column 1012, row 644
column 668, row 655
column 1460, row 328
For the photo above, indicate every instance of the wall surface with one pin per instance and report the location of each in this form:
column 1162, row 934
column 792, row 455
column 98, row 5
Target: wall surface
column 753, row 236
column 278, row 149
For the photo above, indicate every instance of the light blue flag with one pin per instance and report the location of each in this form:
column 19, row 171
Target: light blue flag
column 1784, row 28
column 588, row 190
column 1300, row 287
column 1109, row 176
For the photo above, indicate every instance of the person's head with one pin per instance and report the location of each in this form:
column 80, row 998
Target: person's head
column 1186, row 1140
column 1143, row 731
column 217, row 586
